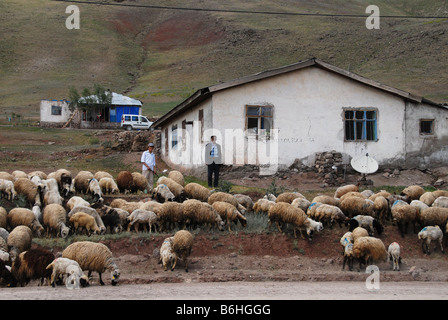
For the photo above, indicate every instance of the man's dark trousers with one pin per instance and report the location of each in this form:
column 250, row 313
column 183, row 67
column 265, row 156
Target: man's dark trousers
column 213, row 168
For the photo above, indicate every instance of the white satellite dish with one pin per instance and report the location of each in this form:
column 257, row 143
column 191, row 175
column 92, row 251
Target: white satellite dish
column 364, row 164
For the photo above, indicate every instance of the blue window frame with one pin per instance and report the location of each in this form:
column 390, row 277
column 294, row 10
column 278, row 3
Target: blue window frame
column 360, row 124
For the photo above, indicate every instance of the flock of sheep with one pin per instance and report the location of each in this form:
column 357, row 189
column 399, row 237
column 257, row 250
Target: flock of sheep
column 56, row 206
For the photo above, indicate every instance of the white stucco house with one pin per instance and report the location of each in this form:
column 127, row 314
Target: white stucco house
column 295, row 111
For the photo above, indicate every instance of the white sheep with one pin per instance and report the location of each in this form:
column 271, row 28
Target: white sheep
column 429, row 233
column 144, row 217
column 55, row 220
column 7, row 189
column 393, row 253
column 167, row 255
column 68, row 267
column 162, row 193
column 441, row 202
column 108, row 185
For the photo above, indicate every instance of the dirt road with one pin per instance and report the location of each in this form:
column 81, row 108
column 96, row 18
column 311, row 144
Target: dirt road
column 334, row 290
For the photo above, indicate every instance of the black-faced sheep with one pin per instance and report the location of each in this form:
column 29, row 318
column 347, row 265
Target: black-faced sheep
column 197, row 213
column 393, row 254
column 31, row 264
column 93, row 256
column 64, row 180
column 283, row 212
column 182, row 245
column 194, row 190
column 428, row 234
column 55, row 220
column 26, row 217
column 229, row 213
column 19, row 240
column 84, row 221
column 403, row 214
column 367, row 222
column 94, row 190
column 369, row 249
column 66, row 267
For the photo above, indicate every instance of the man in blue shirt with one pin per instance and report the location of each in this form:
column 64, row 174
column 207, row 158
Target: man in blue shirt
column 149, row 165
column 213, row 160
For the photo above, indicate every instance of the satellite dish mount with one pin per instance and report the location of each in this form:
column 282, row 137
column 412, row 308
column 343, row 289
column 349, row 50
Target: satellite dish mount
column 364, row 165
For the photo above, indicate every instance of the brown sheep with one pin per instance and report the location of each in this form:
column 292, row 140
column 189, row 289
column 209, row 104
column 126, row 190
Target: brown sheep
column 85, row 222
column 194, row 190
column 19, row 240
column 288, row 197
column 26, row 217
column 177, row 176
column 344, row 189
column 369, row 249
column 55, row 220
column 182, row 245
column 125, row 181
column 326, row 200
column 229, row 213
column 353, row 206
column 403, row 214
column 414, row 192
column 33, row 193
column 32, row 264
column 140, row 182
column 283, row 212
column 175, row 188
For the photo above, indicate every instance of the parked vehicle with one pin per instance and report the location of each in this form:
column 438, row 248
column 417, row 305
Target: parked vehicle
column 135, row 122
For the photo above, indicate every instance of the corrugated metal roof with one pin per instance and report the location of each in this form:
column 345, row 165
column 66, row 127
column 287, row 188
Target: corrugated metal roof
column 121, row 100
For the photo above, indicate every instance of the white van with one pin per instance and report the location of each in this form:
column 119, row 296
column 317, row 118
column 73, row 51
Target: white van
column 135, row 122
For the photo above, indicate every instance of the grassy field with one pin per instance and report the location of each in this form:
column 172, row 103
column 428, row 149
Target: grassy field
column 162, row 56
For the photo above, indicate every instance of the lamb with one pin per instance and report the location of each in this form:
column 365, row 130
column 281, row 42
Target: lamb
column 55, row 220
column 81, row 181
column 429, row 233
column 7, row 189
column 177, row 176
column 63, row 266
column 108, row 185
column 329, row 214
column 196, row 191
column 403, row 214
column 441, row 202
column 85, row 222
column 93, row 256
column 91, row 212
column 414, row 192
column 23, row 216
column 140, row 182
column 77, row 201
column 144, row 217
column 31, row 264
column 393, row 253
column 246, row 201
column 369, row 249
column 198, row 213
column 283, row 212
column 125, row 181
column 167, row 255
column 288, row 197
column 433, row 216
column 344, row 189
column 32, row 192
column 367, row 222
column 263, row 205
column 354, row 206
column 182, row 245
column 19, row 240
column 327, row 200
column 162, row 193
column 175, row 188
column 170, row 214
column 229, row 213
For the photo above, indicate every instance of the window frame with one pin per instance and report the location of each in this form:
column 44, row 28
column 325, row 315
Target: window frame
column 364, row 127
column 426, row 133
column 174, row 136
column 56, row 110
column 258, row 117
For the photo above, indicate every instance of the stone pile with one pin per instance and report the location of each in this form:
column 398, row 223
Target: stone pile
column 328, row 165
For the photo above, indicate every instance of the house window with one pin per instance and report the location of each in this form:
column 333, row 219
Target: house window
column 360, row 125
column 56, row 110
column 259, row 120
column 173, row 136
column 426, row 126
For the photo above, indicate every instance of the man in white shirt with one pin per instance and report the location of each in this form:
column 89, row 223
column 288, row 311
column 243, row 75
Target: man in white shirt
column 149, row 165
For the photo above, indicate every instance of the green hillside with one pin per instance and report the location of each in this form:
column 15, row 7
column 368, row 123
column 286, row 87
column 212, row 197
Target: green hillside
column 161, row 56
